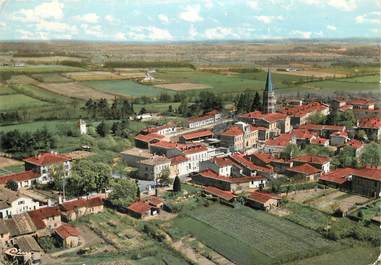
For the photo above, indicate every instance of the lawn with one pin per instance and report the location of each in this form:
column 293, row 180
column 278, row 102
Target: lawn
column 247, row 236
column 126, row 88
column 19, row 101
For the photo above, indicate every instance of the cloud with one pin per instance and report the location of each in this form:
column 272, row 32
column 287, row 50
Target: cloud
column 48, row 10
column 109, row 18
column 59, row 27
column 253, row 4
column 90, row 18
column 192, row 32
column 191, row 14
column 208, row 4
column 343, row 5
column 301, row 34
column 369, row 18
column 268, row 19
column 141, row 33
column 163, row 18
column 93, row 30
column 331, row 27
column 120, row 36
column 220, row 33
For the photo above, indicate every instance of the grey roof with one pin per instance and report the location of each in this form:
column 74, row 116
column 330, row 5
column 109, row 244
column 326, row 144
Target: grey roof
column 3, row 227
column 20, row 224
column 27, row 244
column 269, row 82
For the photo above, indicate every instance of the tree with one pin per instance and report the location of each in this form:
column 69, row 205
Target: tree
column 361, row 135
column 256, row 105
column 317, row 118
column 102, row 129
column 123, row 192
column 176, row 184
column 170, row 108
column 164, row 176
column 371, row 155
column 346, row 157
column 291, row 151
column 12, row 185
column 142, row 111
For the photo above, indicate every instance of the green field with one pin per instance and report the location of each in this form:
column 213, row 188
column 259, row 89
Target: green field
column 156, row 107
column 29, row 69
column 52, row 126
column 251, row 237
column 40, row 93
column 369, row 211
column 19, row 101
column 51, row 78
column 126, row 88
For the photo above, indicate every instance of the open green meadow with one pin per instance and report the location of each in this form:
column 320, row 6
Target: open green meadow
column 19, row 101
column 40, row 93
column 52, row 126
column 247, row 236
column 126, row 88
column 49, row 68
column 156, row 107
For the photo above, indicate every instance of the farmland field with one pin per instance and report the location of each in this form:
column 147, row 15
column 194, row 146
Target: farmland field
column 183, row 86
column 126, row 88
column 265, row 239
column 32, row 126
column 75, row 90
column 156, row 107
column 40, row 93
column 50, row 78
column 18, row 101
column 40, row 69
column 94, row 75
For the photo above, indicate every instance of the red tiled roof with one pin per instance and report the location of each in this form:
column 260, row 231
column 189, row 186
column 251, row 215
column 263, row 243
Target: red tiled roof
column 305, row 168
column 156, row 129
column 40, row 214
column 270, row 117
column 361, row 102
column 194, row 149
column 233, row 131
column 355, row 143
column 139, row 207
column 373, row 123
column 154, row 201
column 346, row 107
column 226, row 195
column 18, row 177
column 318, row 140
column 165, row 145
column 175, row 160
column 320, row 127
column 302, row 110
column 301, row 134
column 148, row 137
column 79, row 203
column 208, row 173
column 240, row 159
column 206, row 116
column 340, row 134
column 265, row 157
column 262, row 197
column 281, row 140
column 338, row 176
column 369, row 173
column 222, row 161
column 66, row 230
column 47, row 159
column 199, row 134
column 314, row 159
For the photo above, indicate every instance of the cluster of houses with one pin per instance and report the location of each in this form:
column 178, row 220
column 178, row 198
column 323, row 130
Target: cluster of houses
column 246, row 155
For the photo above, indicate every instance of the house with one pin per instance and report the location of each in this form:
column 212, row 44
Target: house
column 161, row 130
column 279, row 165
column 179, row 166
column 316, row 140
column 74, row 209
column 195, row 136
column 195, row 155
column 372, row 128
column 141, row 210
column 263, row 200
column 362, row 104
column 320, row 162
column 210, row 178
column 303, row 172
column 69, row 235
column 367, row 182
column 300, row 114
column 134, row 155
column 13, row 203
column 322, row 130
column 248, row 168
column 5, row 235
column 46, row 163
column 239, row 137
column 302, row 137
column 154, row 168
column 275, row 122
column 222, row 195
column 357, row 145
column 20, row 225
column 154, row 201
column 339, row 138
column 46, row 217
column 164, row 148
column 278, row 145
column 338, row 178
column 208, row 118
column 144, row 140
column 221, row 165
column 23, row 179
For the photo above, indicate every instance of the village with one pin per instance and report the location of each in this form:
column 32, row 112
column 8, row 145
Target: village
column 260, row 160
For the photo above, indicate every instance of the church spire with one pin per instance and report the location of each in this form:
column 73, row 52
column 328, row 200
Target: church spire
column 269, row 82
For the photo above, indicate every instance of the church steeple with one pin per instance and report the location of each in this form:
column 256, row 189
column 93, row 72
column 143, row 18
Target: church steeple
column 269, row 82
column 269, row 100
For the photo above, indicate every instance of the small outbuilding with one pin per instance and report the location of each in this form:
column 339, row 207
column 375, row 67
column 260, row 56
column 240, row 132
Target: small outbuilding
column 69, row 235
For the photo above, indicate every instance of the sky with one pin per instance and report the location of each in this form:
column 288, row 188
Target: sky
column 188, row 20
